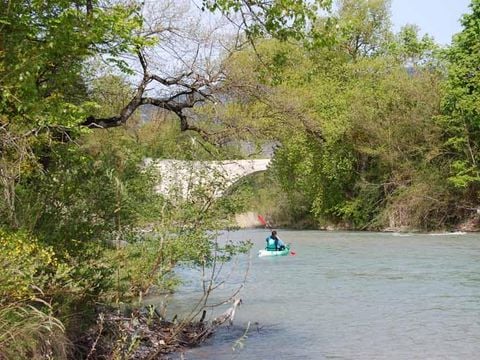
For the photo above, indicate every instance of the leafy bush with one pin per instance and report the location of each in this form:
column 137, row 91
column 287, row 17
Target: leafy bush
column 28, row 329
column 426, row 203
column 26, row 265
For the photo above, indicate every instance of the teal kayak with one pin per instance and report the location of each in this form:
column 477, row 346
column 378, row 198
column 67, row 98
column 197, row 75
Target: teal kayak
column 265, row 252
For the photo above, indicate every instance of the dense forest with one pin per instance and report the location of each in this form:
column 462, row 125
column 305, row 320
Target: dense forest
column 375, row 130
column 370, row 129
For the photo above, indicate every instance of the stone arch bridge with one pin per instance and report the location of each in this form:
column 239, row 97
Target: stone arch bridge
column 181, row 178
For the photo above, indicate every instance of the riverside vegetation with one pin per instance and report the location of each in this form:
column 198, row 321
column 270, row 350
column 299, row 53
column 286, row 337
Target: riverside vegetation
column 375, row 130
column 371, row 130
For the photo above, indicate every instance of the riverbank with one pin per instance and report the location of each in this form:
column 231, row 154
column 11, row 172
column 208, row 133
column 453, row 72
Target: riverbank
column 250, row 220
column 143, row 333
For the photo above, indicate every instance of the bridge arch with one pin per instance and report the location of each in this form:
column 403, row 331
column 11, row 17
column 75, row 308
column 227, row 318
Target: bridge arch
column 240, row 181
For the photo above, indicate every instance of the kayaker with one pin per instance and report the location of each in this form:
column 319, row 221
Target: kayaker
column 274, row 242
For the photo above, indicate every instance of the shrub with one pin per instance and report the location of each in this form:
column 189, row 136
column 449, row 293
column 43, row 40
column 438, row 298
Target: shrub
column 26, row 265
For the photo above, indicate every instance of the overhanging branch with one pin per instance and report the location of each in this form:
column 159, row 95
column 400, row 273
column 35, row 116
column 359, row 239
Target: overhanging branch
column 185, row 91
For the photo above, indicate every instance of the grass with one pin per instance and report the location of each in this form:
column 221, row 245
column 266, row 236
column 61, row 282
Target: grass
column 29, row 331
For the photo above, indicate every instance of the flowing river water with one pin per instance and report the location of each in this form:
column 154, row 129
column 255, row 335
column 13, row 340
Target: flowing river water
column 352, row 295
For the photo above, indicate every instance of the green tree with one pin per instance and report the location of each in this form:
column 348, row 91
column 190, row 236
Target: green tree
column 356, row 129
column 44, row 47
column 77, row 192
column 364, row 26
column 413, row 50
column 282, row 19
column 461, row 120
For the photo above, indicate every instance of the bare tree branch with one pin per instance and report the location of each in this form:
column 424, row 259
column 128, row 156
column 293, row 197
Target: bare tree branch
column 183, row 95
column 89, row 6
column 143, row 61
column 185, row 49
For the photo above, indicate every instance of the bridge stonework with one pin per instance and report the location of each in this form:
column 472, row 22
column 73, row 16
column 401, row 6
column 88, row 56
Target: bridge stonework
column 181, row 178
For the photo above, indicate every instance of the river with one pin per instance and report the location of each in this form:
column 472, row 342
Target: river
column 352, row 295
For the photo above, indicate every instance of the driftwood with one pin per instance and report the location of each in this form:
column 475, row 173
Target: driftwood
column 146, row 335
column 228, row 315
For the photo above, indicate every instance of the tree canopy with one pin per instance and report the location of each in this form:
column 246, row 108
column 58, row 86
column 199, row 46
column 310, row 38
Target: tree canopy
column 370, row 129
column 461, row 120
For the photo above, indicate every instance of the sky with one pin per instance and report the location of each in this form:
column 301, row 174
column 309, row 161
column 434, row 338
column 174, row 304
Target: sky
column 438, row 18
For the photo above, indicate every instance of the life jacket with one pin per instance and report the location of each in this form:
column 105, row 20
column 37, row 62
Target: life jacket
column 270, row 244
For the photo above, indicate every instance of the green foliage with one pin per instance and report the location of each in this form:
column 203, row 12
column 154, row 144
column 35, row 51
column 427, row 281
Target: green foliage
column 351, row 108
column 44, row 49
column 461, row 112
column 111, row 93
column 363, row 26
column 282, row 19
column 412, row 49
column 84, row 196
column 149, row 265
column 161, row 138
column 426, row 202
column 44, row 54
column 32, row 269
column 362, row 210
column 356, row 118
column 261, row 193
column 38, row 292
column 74, row 201
column 88, row 206
column 26, row 266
